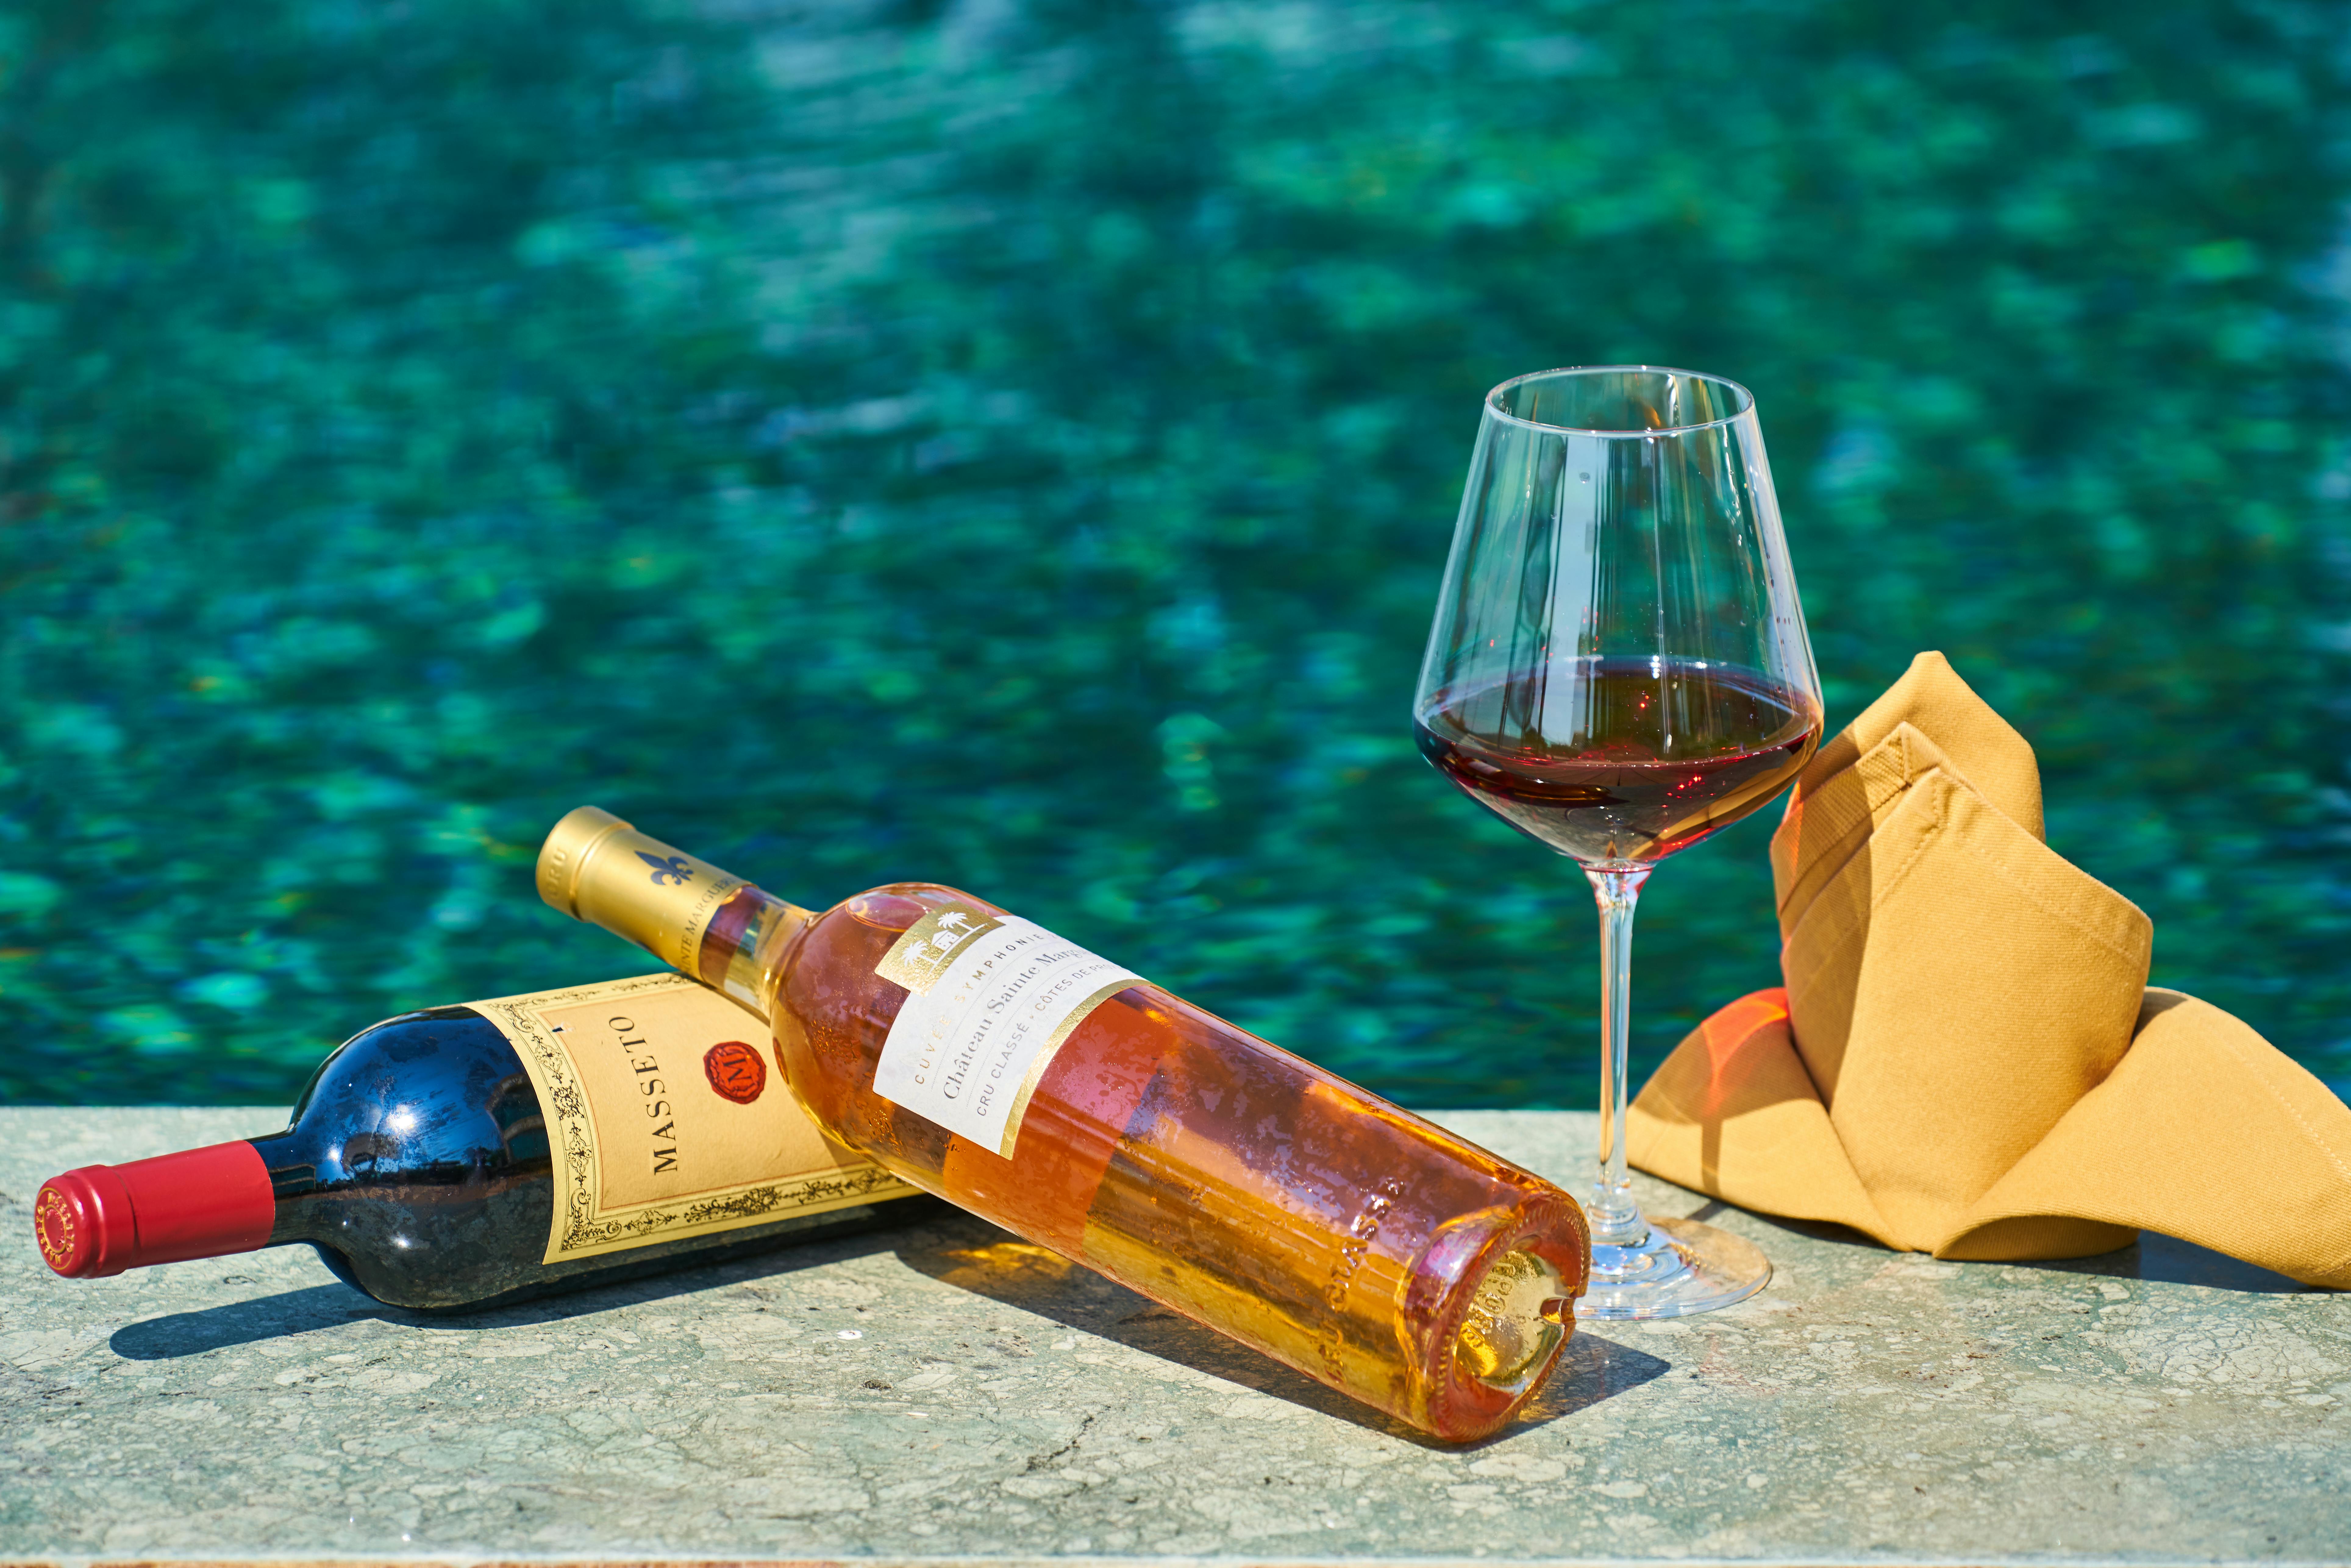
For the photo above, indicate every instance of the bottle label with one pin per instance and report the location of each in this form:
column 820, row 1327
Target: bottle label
column 666, row 1119
column 994, row 997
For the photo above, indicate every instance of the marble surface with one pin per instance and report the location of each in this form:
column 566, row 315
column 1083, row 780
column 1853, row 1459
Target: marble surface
column 940, row 1391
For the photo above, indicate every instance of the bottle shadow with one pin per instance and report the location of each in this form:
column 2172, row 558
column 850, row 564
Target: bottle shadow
column 974, row 1255
column 290, row 1313
column 955, row 1250
column 281, row 1316
column 1591, row 1369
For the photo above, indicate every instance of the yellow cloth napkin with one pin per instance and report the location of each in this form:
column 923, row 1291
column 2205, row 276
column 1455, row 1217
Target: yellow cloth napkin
column 1966, row 1058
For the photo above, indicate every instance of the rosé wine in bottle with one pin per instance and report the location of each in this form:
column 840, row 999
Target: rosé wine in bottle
column 977, row 1056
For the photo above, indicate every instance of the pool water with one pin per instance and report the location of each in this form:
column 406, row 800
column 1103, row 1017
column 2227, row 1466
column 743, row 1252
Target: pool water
column 1016, row 444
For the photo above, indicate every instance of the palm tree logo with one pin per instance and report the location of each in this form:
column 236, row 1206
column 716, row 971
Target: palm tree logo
column 949, row 933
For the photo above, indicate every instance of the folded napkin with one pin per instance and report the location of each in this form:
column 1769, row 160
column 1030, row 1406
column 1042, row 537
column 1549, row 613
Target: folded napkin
column 1966, row 1058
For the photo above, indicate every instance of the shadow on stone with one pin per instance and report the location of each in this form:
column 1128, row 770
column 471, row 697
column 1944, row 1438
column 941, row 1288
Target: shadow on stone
column 2171, row 1261
column 292, row 1312
column 2154, row 1256
column 977, row 1257
column 1820, row 1230
column 1590, row 1370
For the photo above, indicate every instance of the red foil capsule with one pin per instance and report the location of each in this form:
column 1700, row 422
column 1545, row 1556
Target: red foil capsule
column 201, row 1203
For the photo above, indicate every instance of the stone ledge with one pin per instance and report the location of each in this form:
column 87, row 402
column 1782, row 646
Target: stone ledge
column 941, row 1393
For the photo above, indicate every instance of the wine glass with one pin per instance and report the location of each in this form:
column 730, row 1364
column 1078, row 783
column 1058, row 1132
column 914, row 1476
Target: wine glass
column 1618, row 669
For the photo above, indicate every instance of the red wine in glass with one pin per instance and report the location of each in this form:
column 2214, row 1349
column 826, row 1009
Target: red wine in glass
column 1621, row 760
column 1618, row 669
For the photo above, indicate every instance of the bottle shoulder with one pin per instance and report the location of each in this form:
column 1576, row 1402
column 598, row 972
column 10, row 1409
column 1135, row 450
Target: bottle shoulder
column 431, row 1088
column 418, row 1161
column 898, row 905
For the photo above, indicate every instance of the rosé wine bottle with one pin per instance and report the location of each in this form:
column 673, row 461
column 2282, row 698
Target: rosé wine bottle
column 975, row 1055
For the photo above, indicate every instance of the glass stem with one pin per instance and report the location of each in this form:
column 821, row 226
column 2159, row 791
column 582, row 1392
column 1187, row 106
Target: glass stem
column 1615, row 1219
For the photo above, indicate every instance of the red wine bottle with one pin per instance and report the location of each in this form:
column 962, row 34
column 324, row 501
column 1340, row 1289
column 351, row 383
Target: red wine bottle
column 1621, row 760
column 464, row 1157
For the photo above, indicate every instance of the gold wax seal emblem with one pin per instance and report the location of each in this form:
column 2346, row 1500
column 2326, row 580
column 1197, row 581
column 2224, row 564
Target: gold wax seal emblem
column 53, row 1223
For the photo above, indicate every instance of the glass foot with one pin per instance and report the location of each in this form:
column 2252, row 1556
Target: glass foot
column 1683, row 1267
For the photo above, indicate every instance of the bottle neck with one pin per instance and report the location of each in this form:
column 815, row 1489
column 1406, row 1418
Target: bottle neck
column 291, row 1159
column 718, row 928
column 201, row 1203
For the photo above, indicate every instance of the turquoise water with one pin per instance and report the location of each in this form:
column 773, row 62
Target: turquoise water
column 1015, row 445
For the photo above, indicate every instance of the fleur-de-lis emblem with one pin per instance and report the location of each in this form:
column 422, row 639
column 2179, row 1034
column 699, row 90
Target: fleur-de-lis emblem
column 672, row 870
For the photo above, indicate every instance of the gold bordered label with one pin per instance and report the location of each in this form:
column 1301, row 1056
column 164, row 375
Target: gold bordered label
column 993, row 996
column 664, row 1121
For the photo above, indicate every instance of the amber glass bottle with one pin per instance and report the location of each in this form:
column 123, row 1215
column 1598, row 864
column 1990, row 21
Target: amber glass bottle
column 981, row 1058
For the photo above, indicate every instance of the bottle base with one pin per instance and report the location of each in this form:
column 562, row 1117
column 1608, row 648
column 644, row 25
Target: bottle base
column 1682, row 1267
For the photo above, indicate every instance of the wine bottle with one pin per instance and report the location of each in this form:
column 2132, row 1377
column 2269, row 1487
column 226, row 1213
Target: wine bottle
column 978, row 1057
column 464, row 1157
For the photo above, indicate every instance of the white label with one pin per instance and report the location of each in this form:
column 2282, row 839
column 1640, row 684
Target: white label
column 991, row 999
